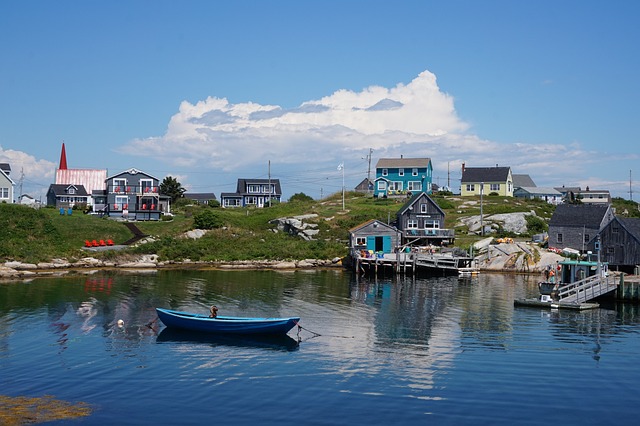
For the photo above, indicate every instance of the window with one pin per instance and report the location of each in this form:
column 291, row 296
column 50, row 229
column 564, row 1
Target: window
column 119, row 185
column 385, row 172
column 4, row 192
column 400, row 172
column 361, row 241
column 146, row 185
column 423, row 208
column 121, row 202
column 471, row 187
column 614, row 229
column 396, row 186
column 231, row 202
column 414, row 172
column 251, row 200
column 412, row 224
column 431, row 224
column 559, row 238
column 382, row 185
column 253, row 189
column 265, row 189
column 414, row 185
column 586, row 238
column 494, row 187
column 71, row 191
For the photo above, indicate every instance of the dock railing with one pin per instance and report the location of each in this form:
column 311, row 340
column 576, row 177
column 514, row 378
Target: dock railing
column 587, row 289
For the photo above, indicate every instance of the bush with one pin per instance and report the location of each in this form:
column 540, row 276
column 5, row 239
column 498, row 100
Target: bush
column 535, row 225
column 207, row 219
column 300, row 196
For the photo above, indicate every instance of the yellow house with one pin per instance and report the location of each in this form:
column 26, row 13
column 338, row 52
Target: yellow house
column 489, row 180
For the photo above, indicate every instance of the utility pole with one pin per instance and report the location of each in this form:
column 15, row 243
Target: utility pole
column 269, row 173
column 369, row 168
column 481, row 219
column 20, row 182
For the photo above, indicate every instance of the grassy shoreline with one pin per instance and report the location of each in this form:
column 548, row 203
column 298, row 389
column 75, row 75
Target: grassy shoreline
column 34, row 236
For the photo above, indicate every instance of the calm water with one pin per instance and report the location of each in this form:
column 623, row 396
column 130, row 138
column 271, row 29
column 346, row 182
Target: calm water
column 426, row 351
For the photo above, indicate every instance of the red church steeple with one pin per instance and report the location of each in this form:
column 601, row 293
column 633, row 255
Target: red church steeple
column 63, row 159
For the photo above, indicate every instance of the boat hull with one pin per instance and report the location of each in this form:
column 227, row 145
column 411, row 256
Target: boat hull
column 224, row 324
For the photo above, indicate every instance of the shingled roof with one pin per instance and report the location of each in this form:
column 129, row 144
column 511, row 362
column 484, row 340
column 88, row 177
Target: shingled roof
column 485, row 174
column 399, row 163
column 523, row 181
column 579, row 215
column 632, row 225
column 59, row 190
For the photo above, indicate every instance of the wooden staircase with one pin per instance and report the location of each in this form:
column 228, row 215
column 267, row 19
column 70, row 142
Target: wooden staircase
column 587, row 289
column 137, row 233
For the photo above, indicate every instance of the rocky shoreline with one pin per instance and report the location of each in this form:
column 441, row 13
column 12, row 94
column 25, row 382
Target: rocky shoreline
column 509, row 258
column 89, row 265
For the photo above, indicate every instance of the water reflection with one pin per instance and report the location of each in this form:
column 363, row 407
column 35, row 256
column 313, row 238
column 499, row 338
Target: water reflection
column 410, row 345
column 278, row 342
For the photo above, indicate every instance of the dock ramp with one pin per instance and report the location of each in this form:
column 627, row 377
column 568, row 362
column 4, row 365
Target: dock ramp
column 587, row 289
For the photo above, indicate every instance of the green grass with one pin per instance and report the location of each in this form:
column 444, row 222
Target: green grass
column 30, row 235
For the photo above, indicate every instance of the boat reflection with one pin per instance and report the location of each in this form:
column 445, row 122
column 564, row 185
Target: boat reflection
column 275, row 342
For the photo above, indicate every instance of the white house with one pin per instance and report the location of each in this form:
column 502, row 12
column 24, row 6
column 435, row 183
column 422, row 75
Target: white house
column 6, row 184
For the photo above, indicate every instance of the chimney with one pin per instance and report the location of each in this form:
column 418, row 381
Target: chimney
column 462, row 167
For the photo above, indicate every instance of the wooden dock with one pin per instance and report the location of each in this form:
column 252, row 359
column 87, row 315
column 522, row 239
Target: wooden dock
column 629, row 288
column 413, row 263
column 537, row 303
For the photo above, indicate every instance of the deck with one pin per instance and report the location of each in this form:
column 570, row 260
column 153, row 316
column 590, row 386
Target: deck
column 413, row 263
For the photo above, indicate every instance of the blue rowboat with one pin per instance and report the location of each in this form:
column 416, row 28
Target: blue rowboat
column 224, row 324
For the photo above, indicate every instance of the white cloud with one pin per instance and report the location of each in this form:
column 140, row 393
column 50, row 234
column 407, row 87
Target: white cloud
column 415, row 120
column 224, row 135
column 38, row 174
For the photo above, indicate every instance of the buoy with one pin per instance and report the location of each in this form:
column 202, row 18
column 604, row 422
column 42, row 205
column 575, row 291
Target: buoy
column 120, row 323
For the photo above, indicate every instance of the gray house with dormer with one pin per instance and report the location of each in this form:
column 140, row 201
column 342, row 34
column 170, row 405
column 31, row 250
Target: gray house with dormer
column 421, row 222
column 253, row 193
column 132, row 194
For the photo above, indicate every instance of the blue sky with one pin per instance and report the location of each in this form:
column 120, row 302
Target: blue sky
column 211, row 91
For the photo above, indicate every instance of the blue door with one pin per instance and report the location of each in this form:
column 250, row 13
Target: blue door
column 379, row 243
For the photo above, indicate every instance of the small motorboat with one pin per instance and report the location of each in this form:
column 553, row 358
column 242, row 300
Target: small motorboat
column 225, row 324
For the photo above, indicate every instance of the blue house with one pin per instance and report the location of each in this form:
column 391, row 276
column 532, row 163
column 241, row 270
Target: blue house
column 374, row 236
column 402, row 176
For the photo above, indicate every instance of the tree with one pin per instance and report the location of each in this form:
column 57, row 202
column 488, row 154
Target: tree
column 171, row 187
column 300, row 196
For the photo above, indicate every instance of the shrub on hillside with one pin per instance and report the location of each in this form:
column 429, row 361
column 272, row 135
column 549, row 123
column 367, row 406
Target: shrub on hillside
column 535, row 225
column 300, row 196
column 207, row 219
